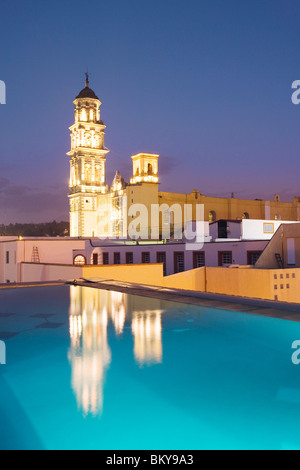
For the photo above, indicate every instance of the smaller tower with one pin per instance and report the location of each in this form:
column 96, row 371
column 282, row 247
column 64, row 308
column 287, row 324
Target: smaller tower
column 145, row 168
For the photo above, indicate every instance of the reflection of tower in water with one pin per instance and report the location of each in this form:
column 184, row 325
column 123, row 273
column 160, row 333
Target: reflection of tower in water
column 147, row 331
column 118, row 312
column 89, row 353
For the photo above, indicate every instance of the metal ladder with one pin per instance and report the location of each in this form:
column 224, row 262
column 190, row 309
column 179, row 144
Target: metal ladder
column 35, row 258
column 279, row 260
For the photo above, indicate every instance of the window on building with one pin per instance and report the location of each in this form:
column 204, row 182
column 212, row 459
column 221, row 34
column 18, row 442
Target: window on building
column 269, row 228
column 161, row 257
column 83, row 116
column 80, row 260
column 95, row 258
column 253, row 257
column 146, row 257
column 117, row 258
column 178, row 262
column 225, row 258
column 212, row 216
column 199, row 259
column 7, row 257
column 129, row 258
column 105, row 258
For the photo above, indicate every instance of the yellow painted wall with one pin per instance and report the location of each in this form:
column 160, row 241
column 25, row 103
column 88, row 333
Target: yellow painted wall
column 150, row 274
column 239, row 281
column 270, row 284
column 244, row 281
column 285, row 285
column 188, row 280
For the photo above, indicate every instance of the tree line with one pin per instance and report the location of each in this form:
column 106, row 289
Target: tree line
column 48, row 229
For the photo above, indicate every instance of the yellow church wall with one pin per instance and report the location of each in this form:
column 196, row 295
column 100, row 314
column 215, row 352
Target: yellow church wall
column 232, row 208
column 145, row 194
column 224, row 208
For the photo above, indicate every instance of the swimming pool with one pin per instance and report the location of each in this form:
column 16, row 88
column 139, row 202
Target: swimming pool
column 93, row 369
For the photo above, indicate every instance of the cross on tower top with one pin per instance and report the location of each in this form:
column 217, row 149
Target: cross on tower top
column 87, row 83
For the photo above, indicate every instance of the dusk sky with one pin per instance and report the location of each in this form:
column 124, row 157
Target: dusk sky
column 206, row 84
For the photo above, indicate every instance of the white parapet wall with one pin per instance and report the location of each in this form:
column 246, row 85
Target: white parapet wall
column 31, row 272
column 261, row 229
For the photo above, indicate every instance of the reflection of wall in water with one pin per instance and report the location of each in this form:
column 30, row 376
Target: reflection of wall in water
column 146, row 329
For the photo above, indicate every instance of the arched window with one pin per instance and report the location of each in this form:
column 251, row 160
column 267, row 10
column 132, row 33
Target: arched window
column 76, row 174
column 212, row 216
column 91, row 114
column 150, row 169
column 83, row 116
column 88, row 173
column 98, row 174
column 246, row 215
column 79, row 260
column 87, row 139
column 97, row 140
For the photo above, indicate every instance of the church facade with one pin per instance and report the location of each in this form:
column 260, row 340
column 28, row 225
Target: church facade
column 100, row 210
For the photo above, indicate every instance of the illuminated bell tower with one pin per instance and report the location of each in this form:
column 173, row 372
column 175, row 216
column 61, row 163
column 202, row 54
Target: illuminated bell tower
column 145, row 168
column 87, row 163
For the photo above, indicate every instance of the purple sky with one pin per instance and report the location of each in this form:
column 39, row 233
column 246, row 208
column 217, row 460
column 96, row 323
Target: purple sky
column 205, row 84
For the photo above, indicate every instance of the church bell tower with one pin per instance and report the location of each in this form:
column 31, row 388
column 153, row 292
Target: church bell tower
column 87, row 163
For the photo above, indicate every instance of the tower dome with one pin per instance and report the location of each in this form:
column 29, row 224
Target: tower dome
column 87, row 92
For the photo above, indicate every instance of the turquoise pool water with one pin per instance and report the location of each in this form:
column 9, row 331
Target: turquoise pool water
column 92, row 369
